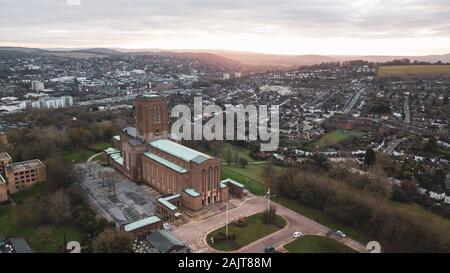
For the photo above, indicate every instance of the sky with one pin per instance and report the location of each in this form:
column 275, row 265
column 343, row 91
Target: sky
column 337, row 27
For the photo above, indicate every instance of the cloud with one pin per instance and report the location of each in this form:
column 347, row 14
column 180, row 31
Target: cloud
column 157, row 22
column 73, row 2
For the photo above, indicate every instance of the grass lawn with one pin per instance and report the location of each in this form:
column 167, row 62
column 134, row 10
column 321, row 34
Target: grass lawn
column 10, row 229
column 80, row 156
column 405, row 70
column 243, row 152
column 251, row 185
column 420, row 210
column 322, row 218
column 317, row 244
column 254, row 230
column 251, row 176
column 336, row 136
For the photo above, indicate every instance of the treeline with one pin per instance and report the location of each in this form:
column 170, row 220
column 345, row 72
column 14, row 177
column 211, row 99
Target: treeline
column 54, row 133
column 397, row 230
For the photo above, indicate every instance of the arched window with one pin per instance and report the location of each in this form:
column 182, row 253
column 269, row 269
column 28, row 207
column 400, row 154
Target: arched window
column 210, row 178
column 204, row 180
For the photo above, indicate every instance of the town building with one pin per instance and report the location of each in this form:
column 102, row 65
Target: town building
column 143, row 227
column 17, row 176
column 37, row 86
column 182, row 175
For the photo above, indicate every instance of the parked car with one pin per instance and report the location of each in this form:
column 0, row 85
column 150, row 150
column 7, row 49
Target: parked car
column 340, row 233
column 297, row 234
column 269, row 249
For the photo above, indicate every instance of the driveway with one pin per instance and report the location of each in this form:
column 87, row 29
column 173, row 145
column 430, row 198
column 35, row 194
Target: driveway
column 194, row 233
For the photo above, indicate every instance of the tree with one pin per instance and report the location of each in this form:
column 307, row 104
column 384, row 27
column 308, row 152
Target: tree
column 236, row 158
column 243, row 162
column 431, row 146
column 59, row 206
column 60, row 174
column 110, row 241
column 269, row 216
column 228, row 157
column 42, row 239
column 370, row 157
column 268, row 171
column 320, row 161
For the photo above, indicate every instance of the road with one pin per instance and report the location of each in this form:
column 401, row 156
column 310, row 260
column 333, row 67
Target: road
column 406, row 110
column 194, row 233
column 392, row 146
column 353, row 101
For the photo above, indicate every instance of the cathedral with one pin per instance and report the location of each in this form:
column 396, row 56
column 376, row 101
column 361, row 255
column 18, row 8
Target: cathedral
column 182, row 175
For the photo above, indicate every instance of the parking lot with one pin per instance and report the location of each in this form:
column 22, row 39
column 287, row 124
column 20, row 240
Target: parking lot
column 130, row 202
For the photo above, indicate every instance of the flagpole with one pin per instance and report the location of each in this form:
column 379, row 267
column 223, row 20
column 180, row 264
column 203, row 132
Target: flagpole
column 268, row 201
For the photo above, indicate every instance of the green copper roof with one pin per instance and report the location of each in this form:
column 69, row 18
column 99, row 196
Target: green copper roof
column 142, row 223
column 231, row 181
column 166, row 162
column 117, row 157
column 191, row 192
column 167, row 204
column 111, row 150
column 179, row 151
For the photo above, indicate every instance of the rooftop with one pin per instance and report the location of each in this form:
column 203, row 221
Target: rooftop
column 20, row 245
column 26, row 165
column 130, row 131
column 2, row 180
column 179, row 151
column 165, row 201
column 142, row 223
column 191, row 192
column 118, row 158
column 166, row 162
column 149, row 95
column 231, row 181
column 163, row 241
column 4, row 155
column 111, row 150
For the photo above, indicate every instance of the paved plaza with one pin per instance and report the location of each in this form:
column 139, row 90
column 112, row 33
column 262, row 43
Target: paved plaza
column 130, row 202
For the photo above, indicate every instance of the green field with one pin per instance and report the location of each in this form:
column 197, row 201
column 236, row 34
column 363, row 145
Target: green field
column 322, row 218
column 336, row 136
column 251, row 176
column 80, row 156
column 414, row 70
column 10, row 229
column 423, row 212
column 316, row 244
column 254, row 230
column 243, row 152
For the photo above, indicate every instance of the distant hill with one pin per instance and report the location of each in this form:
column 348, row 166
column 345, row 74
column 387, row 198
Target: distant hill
column 228, row 59
column 22, row 49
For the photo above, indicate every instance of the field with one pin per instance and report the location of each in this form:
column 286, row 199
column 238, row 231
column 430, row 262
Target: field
column 336, row 136
column 322, row 218
column 81, row 155
column 316, row 244
column 254, row 230
column 414, row 70
column 243, row 152
column 10, row 229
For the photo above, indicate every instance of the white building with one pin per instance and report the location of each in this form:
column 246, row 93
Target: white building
column 53, row 103
column 37, row 86
column 237, row 75
column 226, row 76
